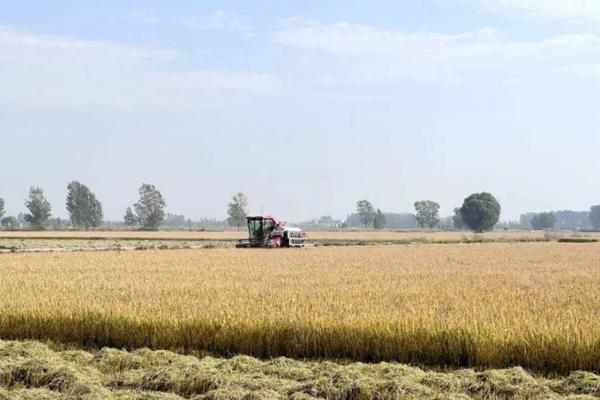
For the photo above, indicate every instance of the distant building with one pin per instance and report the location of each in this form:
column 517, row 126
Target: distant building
column 325, row 222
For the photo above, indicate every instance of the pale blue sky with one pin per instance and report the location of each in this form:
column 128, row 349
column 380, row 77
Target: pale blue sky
column 305, row 106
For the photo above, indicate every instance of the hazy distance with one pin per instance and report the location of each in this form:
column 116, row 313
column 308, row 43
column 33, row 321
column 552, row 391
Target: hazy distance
column 305, row 108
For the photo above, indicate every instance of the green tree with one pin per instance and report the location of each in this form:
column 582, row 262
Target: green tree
column 130, row 218
column 39, row 208
column 56, row 223
column 480, row 212
column 543, row 221
column 10, row 223
column 379, row 220
column 84, row 209
column 1, row 208
column 457, row 220
column 427, row 213
column 366, row 212
column 595, row 217
column 150, row 208
column 236, row 210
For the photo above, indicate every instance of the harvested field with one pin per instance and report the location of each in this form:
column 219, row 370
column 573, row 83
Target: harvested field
column 432, row 236
column 31, row 370
column 60, row 241
column 141, row 235
column 64, row 241
column 8, row 245
column 536, row 305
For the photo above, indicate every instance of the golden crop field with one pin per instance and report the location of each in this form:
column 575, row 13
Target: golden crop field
column 536, row 305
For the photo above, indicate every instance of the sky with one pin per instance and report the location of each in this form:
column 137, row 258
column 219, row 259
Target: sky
column 305, row 106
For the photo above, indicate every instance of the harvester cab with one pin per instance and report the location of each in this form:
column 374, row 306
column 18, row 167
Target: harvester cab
column 268, row 232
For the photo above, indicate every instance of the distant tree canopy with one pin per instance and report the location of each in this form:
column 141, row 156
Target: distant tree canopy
column 130, row 218
column 565, row 219
column 10, row 223
column 57, row 223
column 21, row 219
column 39, row 208
column 236, row 210
column 427, row 213
column 392, row 221
column 149, row 210
column 480, row 212
column 525, row 219
column 366, row 212
column 177, row 221
column 595, row 217
column 543, row 221
column 1, row 208
column 85, row 211
column 379, row 220
column 457, row 220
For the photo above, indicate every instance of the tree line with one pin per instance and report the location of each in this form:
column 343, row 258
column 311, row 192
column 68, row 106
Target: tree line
column 85, row 210
column 479, row 212
column 562, row 219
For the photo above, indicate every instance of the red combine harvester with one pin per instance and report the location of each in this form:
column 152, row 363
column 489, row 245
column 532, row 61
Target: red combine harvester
column 267, row 232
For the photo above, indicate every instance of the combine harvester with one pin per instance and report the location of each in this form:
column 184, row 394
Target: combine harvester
column 267, row 232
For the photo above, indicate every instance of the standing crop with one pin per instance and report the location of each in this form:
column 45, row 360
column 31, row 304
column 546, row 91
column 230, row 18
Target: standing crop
column 534, row 305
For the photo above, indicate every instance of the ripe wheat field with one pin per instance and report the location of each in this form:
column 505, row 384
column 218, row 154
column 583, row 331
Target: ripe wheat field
column 536, row 305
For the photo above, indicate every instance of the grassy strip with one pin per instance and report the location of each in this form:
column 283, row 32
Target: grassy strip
column 32, row 370
column 368, row 342
column 577, row 240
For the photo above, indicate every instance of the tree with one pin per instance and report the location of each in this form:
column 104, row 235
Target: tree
column 84, row 209
column 22, row 220
column 130, row 218
column 427, row 213
column 457, row 220
column 595, row 217
column 1, row 208
column 9, row 223
column 379, row 220
column 150, row 208
column 366, row 212
column 56, row 223
column 236, row 210
column 39, row 208
column 543, row 221
column 175, row 221
column 480, row 212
